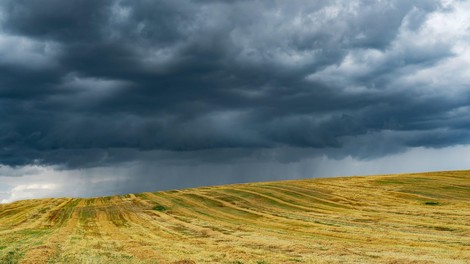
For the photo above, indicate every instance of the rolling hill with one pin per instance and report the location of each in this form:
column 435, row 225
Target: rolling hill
column 410, row 218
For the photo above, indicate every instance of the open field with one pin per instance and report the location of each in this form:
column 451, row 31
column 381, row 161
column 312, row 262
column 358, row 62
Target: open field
column 414, row 218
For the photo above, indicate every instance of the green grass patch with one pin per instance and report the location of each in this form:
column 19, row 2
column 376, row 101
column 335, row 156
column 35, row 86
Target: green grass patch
column 431, row 203
column 160, row 208
column 390, row 181
column 12, row 257
column 33, row 232
column 87, row 214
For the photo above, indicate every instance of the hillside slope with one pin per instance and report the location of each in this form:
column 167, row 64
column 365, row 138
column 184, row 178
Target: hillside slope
column 414, row 218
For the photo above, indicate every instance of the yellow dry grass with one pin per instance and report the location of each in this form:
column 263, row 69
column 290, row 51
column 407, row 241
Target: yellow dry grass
column 413, row 218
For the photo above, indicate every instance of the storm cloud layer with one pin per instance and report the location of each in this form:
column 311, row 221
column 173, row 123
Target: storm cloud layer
column 87, row 83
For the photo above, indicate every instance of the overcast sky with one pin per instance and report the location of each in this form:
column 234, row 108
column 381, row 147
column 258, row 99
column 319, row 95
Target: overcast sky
column 118, row 96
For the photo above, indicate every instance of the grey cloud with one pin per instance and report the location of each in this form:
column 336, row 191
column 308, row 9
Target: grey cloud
column 128, row 79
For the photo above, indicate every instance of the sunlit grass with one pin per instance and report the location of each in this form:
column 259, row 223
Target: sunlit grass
column 413, row 218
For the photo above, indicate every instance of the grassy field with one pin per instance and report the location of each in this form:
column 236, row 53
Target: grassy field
column 414, row 218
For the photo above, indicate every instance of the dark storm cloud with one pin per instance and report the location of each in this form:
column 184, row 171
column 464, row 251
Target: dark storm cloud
column 87, row 83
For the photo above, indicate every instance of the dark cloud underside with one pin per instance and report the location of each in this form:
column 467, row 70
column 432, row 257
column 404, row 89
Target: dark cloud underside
column 87, row 83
